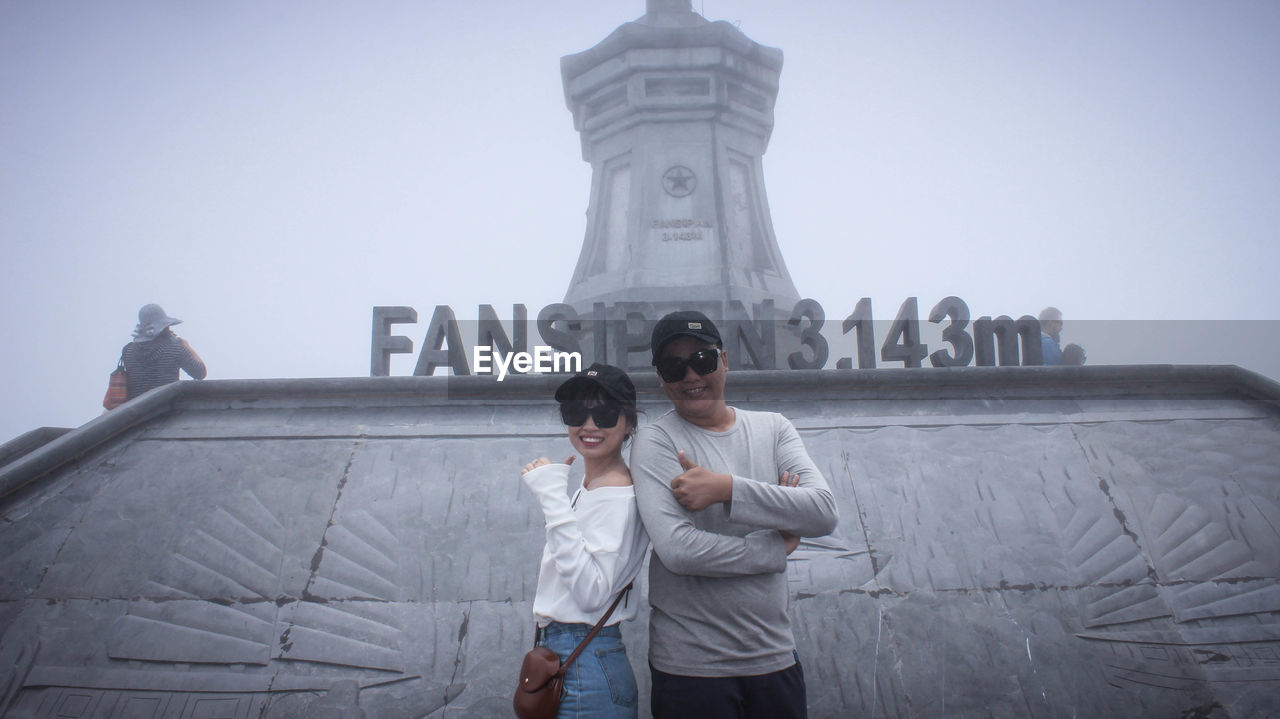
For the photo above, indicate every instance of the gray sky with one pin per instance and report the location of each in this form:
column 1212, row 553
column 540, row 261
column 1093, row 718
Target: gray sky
column 269, row 172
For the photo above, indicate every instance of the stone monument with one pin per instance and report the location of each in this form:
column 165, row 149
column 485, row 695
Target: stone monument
column 675, row 113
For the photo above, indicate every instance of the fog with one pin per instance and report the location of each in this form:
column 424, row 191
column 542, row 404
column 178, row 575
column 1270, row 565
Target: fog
column 270, row 172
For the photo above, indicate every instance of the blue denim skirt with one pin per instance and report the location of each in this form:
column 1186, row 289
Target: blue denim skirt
column 600, row 682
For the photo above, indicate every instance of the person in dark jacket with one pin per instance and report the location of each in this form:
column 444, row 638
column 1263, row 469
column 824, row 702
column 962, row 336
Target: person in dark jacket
column 156, row 354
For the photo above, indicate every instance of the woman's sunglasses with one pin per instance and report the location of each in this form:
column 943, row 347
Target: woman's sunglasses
column 575, row 413
column 704, row 361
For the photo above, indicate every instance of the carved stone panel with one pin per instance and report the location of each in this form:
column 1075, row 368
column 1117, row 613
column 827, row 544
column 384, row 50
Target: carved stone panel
column 1019, row 558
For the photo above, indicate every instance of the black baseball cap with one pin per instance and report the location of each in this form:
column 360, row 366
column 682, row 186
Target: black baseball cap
column 683, row 322
column 615, row 384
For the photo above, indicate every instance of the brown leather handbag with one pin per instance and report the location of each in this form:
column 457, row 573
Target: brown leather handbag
column 117, row 387
column 541, row 683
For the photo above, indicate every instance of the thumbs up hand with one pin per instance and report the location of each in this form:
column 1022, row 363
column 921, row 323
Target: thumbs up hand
column 698, row 487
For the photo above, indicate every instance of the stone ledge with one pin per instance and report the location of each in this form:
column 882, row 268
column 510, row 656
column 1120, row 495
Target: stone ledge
column 1212, row 382
column 29, row 442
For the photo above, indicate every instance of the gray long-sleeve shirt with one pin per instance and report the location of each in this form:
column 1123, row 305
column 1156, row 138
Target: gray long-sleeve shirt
column 717, row 578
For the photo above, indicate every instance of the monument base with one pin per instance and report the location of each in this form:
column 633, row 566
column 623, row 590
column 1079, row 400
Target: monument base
column 1021, row 541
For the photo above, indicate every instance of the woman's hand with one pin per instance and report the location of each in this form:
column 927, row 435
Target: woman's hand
column 541, row 461
column 789, row 480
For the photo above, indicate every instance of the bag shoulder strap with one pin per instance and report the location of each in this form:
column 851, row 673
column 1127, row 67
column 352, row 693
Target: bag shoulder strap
column 564, row 666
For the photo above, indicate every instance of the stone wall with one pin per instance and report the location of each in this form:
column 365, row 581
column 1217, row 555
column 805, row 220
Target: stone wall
column 1047, row 542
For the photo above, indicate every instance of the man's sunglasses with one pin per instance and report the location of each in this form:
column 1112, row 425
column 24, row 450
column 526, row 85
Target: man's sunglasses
column 704, row 361
column 575, row 413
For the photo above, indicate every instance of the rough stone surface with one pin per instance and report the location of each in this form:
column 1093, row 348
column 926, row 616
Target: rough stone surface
column 1047, row 542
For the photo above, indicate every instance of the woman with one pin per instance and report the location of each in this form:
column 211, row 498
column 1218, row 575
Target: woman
column 154, row 356
column 595, row 544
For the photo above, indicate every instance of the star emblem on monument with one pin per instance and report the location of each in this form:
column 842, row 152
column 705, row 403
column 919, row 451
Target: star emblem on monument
column 679, row 181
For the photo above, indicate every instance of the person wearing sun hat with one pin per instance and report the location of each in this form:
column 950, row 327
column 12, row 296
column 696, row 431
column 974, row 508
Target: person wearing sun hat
column 725, row 495
column 595, row 544
column 156, row 354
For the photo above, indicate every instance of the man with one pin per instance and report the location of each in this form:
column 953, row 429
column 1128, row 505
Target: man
column 725, row 495
column 1050, row 333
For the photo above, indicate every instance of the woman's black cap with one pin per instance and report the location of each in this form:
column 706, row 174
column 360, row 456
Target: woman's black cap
column 615, row 384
